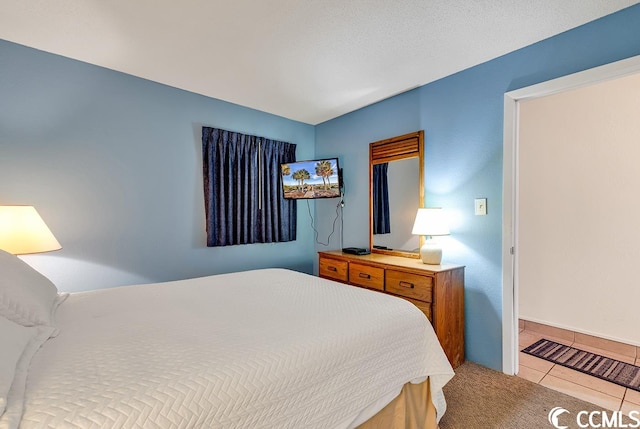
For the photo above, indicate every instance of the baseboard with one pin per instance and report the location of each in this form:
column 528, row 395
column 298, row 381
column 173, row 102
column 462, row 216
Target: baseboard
column 581, row 336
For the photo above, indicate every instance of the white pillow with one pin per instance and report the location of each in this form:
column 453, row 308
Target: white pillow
column 14, row 339
column 26, row 296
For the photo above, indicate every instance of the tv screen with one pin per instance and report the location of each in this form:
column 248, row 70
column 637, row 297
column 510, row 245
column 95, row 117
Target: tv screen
column 319, row 178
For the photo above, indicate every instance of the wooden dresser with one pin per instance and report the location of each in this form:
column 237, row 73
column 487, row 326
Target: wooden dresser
column 437, row 290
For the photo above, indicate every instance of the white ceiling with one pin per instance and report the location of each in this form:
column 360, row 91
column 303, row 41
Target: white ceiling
column 305, row 60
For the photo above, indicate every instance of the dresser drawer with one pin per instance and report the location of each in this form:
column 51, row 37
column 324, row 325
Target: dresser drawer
column 334, row 269
column 409, row 285
column 425, row 307
column 367, row 276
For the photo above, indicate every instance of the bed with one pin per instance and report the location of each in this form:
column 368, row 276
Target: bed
column 268, row 348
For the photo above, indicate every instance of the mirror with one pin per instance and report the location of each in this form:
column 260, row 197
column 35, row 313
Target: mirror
column 396, row 190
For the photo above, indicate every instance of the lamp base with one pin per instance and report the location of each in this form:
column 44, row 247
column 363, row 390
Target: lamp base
column 431, row 253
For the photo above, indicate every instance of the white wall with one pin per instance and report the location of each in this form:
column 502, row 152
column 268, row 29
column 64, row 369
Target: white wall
column 578, row 211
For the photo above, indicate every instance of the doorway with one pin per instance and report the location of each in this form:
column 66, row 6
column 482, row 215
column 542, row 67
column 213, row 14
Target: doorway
column 513, row 103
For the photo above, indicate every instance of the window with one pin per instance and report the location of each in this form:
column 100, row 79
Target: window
column 243, row 191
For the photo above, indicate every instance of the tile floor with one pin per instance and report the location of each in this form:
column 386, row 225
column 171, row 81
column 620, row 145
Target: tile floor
column 608, row 395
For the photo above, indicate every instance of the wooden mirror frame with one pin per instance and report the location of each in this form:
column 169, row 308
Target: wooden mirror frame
column 394, row 149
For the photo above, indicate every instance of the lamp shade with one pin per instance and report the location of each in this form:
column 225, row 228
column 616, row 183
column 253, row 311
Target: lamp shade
column 22, row 231
column 430, row 221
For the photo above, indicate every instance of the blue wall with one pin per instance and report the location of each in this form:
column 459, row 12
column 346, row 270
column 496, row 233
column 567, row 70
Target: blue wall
column 462, row 116
column 113, row 163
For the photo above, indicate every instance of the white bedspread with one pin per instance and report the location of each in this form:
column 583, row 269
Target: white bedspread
column 259, row 349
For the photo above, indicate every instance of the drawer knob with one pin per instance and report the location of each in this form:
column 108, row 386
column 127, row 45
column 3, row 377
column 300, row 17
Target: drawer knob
column 332, row 268
column 406, row 284
column 364, row 275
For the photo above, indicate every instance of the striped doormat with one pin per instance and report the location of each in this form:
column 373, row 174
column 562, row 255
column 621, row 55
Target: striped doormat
column 612, row 370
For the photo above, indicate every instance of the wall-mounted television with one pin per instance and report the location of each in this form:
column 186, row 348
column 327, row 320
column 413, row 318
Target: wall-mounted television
column 318, row 178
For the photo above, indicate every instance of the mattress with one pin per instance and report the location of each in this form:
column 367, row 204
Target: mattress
column 267, row 348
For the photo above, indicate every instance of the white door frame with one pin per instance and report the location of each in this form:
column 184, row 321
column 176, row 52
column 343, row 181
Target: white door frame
column 603, row 73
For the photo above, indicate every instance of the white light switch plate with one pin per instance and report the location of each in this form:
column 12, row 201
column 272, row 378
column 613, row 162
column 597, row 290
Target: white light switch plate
column 481, row 206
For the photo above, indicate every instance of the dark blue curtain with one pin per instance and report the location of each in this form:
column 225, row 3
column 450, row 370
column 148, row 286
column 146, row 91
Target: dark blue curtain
column 381, row 223
column 278, row 216
column 242, row 189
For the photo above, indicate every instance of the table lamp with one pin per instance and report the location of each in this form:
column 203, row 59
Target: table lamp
column 430, row 222
column 23, row 231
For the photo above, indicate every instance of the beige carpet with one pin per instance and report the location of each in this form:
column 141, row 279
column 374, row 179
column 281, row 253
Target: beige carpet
column 481, row 398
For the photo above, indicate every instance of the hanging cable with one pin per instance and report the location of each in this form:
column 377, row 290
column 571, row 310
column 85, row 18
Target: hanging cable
column 333, row 228
column 341, row 212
